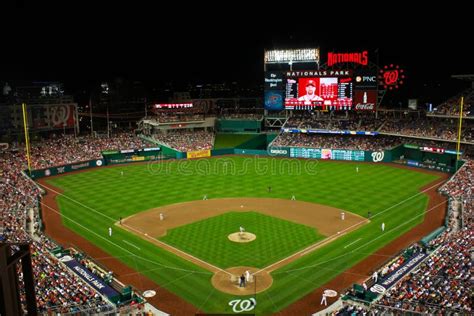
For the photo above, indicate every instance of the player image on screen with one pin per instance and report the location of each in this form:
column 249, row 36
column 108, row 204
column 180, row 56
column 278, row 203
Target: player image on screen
column 310, row 89
column 318, row 92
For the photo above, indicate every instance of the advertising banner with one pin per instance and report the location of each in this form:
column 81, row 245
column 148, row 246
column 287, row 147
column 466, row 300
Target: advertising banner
column 198, row 154
column 326, row 131
column 386, row 283
column 93, row 280
column 41, row 173
column 279, row 151
column 326, row 153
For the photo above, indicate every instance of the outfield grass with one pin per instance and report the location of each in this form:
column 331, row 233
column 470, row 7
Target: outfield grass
column 276, row 239
column 94, row 200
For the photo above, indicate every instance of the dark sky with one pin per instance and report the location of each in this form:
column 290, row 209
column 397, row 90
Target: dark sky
column 80, row 45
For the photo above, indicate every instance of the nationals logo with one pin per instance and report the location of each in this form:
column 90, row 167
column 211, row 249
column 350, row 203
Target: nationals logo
column 60, row 115
column 377, row 156
column 391, row 77
column 239, row 306
column 377, row 288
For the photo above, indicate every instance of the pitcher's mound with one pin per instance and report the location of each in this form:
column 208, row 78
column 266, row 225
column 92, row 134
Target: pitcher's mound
column 229, row 282
column 242, row 237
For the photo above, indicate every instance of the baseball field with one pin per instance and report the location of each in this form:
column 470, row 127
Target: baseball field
column 293, row 208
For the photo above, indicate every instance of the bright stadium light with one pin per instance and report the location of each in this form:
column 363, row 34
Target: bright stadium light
column 306, row 55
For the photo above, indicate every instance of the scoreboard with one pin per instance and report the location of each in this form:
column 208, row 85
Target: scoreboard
column 323, row 153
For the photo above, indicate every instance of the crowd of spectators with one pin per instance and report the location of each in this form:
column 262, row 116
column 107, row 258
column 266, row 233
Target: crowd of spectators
column 442, row 283
column 430, row 127
column 176, row 117
column 335, row 142
column 241, row 116
column 409, row 125
column 452, row 105
column 185, row 140
column 57, row 289
column 68, row 149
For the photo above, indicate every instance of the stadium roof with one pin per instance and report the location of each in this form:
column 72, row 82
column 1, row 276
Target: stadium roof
column 464, row 77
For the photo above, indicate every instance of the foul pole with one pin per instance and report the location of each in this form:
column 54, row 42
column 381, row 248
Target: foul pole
column 27, row 137
column 458, row 147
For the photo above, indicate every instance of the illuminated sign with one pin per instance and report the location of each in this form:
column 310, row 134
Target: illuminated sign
column 273, row 100
column 365, row 100
column 274, row 81
column 292, row 55
column 173, row 105
column 326, row 92
column 356, row 58
column 391, row 77
column 319, row 73
column 432, row 150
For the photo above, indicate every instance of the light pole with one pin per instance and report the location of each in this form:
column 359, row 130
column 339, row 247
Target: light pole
column 108, row 123
column 90, row 113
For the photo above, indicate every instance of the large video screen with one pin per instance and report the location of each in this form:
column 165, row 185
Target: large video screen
column 321, row 93
column 326, row 153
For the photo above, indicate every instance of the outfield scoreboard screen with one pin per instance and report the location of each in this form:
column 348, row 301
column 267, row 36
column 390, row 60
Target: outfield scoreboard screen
column 346, row 82
column 305, row 93
column 309, row 90
column 326, row 153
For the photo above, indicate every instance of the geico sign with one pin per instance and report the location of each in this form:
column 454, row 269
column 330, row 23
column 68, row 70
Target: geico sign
column 365, row 106
column 279, row 151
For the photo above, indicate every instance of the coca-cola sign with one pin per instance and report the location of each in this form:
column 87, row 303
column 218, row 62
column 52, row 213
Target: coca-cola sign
column 365, row 100
column 364, row 107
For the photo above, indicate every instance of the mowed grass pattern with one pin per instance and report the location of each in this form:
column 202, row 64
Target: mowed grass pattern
column 95, row 200
column 276, row 239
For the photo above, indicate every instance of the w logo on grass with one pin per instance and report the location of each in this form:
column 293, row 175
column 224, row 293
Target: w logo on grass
column 239, row 306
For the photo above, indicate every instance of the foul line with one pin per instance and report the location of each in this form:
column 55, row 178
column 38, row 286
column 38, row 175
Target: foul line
column 176, row 249
column 368, row 243
column 301, row 252
column 120, row 247
column 403, row 201
column 311, row 247
column 129, row 243
column 75, row 201
column 146, row 235
column 352, row 243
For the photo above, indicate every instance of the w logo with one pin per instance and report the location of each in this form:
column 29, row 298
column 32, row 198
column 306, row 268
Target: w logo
column 377, row 156
column 239, row 306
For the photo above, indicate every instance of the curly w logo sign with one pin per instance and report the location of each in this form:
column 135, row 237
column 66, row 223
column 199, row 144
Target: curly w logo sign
column 239, row 306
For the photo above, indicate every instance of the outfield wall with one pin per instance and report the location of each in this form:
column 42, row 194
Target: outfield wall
column 239, row 125
column 331, row 154
column 132, row 155
column 53, row 171
column 166, row 151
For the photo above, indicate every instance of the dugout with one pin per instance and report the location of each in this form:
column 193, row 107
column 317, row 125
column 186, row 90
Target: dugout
column 427, row 157
column 133, row 155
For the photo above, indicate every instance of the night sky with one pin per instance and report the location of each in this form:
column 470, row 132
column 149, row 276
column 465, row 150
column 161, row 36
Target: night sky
column 80, row 46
